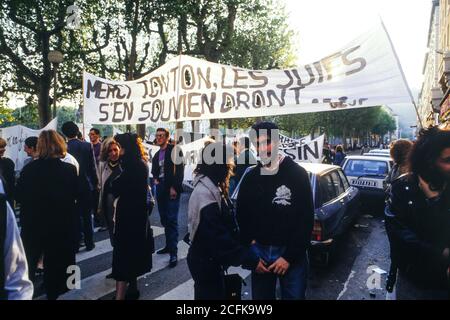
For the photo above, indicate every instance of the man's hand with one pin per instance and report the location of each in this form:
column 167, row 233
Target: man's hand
column 425, row 187
column 173, row 193
column 280, row 266
column 261, row 267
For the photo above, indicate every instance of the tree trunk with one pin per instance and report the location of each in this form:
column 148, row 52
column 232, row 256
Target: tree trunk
column 44, row 102
column 214, row 128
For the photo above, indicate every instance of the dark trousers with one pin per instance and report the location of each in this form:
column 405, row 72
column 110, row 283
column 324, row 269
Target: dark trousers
column 208, row 278
column 84, row 208
column 57, row 258
column 168, row 212
column 292, row 284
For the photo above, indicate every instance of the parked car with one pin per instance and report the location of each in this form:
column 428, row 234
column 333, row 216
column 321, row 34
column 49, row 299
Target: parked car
column 368, row 174
column 380, row 151
column 336, row 204
column 376, row 154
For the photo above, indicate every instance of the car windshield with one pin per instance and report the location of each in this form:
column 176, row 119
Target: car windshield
column 360, row 167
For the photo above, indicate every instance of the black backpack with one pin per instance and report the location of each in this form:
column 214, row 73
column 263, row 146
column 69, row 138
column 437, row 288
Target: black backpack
column 2, row 245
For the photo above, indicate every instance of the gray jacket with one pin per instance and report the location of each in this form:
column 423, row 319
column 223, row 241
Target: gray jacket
column 205, row 193
column 17, row 284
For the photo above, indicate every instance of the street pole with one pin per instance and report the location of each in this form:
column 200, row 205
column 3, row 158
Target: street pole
column 55, row 57
column 55, row 87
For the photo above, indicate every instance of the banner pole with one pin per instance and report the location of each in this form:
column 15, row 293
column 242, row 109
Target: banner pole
column 402, row 73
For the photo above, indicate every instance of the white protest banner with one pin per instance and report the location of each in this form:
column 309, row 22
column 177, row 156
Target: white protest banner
column 308, row 152
column 191, row 153
column 364, row 73
column 289, row 143
column 15, row 138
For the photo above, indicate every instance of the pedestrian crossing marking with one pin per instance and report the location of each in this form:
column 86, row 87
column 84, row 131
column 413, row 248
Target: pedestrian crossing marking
column 104, row 246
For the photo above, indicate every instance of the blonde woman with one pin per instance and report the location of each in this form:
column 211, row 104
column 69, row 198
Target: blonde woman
column 47, row 190
column 108, row 169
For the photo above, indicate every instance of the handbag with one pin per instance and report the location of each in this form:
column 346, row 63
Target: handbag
column 233, row 286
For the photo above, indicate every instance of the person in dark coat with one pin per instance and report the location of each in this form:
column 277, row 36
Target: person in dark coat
column 47, row 191
column 7, row 173
column 418, row 220
column 83, row 153
column 132, row 253
column 168, row 180
column 213, row 230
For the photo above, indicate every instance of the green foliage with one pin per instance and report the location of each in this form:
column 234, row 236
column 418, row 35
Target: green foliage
column 342, row 123
column 27, row 116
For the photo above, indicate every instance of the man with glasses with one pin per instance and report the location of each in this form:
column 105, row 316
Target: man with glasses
column 168, row 178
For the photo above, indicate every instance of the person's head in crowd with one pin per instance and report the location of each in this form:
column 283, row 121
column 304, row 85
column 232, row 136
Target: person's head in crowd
column 430, row 157
column 339, row 148
column 80, row 136
column 70, row 130
column 399, row 151
column 263, row 135
column 235, row 145
column 162, row 137
column 217, row 164
column 131, row 147
column 94, row 135
column 110, row 150
column 51, row 145
column 29, row 147
column 2, row 147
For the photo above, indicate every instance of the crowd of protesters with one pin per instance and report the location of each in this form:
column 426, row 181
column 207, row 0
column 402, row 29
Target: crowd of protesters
column 67, row 182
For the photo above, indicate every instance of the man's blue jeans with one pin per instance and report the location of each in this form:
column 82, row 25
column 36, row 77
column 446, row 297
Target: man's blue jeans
column 168, row 212
column 292, row 284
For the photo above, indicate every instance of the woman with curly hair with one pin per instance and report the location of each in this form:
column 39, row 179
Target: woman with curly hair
column 132, row 254
column 418, row 220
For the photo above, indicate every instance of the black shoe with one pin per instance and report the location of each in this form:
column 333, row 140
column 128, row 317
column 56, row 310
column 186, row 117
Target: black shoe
column 132, row 295
column 90, row 247
column 109, row 276
column 173, row 261
column 163, row 251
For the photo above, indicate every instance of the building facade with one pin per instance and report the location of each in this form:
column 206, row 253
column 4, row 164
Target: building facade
column 444, row 63
column 431, row 93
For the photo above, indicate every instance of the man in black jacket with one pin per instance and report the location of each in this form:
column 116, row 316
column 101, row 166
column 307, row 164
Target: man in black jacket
column 82, row 151
column 418, row 220
column 275, row 214
column 168, row 178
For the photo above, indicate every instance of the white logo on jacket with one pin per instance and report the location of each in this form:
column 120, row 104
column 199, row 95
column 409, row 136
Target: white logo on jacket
column 283, row 196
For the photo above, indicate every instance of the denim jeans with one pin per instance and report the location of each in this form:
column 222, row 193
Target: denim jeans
column 168, row 212
column 292, row 284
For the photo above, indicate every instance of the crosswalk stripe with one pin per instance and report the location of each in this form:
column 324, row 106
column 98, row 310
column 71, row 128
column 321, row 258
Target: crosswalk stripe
column 185, row 291
column 104, row 246
column 96, row 286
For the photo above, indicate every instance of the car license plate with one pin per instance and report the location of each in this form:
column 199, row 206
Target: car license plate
column 364, row 183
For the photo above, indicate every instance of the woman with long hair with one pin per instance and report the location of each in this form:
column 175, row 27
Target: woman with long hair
column 418, row 220
column 132, row 256
column 108, row 169
column 212, row 225
column 399, row 152
column 47, row 190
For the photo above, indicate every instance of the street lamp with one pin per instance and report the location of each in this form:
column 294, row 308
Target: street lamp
column 55, row 57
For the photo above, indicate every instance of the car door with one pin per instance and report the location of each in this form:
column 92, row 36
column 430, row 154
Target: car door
column 351, row 198
column 341, row 197
column 329, row 205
